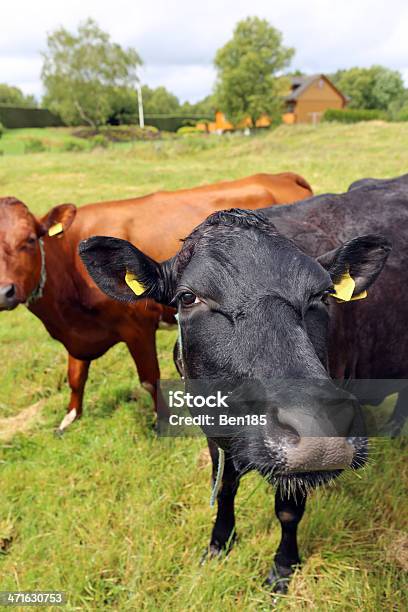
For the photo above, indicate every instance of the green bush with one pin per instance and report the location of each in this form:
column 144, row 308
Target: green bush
column 34, row 145
column 351, row 115
column 129, row 133
column 100, row 141
column 74, row 146
column 1, row 129
column 151, row 128
column 171, row 123
column 118, row 133
column 402, row 115
column 188, row 129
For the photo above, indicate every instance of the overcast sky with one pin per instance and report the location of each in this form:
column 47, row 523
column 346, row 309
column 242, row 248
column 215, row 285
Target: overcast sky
column 177, row 39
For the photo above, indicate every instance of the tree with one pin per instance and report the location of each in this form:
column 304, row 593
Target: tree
column 205, row 107
column 84, row 74
column 159, row 101
column 247, row 67
column 13, row 96
column 124, row 106
column 388, row 86
column 398, row 108
column 372, row 88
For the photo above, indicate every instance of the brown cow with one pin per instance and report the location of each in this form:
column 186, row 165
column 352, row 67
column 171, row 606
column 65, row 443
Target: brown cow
column 40, row 266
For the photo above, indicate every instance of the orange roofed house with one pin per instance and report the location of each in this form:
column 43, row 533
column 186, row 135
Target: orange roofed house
column 309, row 97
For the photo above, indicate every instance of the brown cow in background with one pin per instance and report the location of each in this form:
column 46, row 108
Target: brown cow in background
column 40, row 266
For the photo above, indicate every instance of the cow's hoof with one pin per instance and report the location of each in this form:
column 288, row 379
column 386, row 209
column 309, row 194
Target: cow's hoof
column 278, row 580
column 277, row 585
column 216, row 550
column 212, row 552
column 161, row 423
column 58, row 433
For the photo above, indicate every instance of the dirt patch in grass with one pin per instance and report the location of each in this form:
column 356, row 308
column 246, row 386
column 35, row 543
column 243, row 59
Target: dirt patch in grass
column 22, row 422
column 5, row 545
column 6, row 536
column 397, row 549
column 204, row 459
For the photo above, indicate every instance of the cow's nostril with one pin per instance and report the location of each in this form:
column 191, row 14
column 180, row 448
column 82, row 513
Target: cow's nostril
column 290, row 434
column 10, row 292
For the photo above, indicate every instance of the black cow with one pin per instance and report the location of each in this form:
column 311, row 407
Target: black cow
column 401, row 182
column 376, row 347
column 254, row 305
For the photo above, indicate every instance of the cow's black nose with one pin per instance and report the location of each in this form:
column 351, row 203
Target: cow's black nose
column 9, row 291
column 8, row 296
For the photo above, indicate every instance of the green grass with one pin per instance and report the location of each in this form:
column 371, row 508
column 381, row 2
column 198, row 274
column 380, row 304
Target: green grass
column 13, row 142
column 118, row 518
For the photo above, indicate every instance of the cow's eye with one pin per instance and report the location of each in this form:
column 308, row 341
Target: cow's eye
column 321, row 297
column 324, row 296
column 188, row 299
column 28, row 243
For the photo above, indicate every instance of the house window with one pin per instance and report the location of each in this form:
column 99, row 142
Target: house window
column 320, row 83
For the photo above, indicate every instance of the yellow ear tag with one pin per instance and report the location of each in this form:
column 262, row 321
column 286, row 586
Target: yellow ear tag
column 360, row 296
column 55, row 229
column 344, row 289
column 134, row 284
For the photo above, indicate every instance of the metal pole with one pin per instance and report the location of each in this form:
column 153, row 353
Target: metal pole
column 140, row 102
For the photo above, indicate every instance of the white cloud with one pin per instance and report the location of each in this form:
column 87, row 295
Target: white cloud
column 22, row 71
column 189, row 81
column 178, row 40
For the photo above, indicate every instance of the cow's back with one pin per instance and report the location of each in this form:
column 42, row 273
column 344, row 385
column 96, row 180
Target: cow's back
column 157, row 222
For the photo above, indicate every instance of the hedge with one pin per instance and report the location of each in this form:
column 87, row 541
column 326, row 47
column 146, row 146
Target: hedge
column 171, row 123
column 16, row 117
column 351, row 115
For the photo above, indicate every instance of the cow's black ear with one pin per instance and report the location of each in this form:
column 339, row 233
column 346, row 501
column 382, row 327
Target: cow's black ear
column 362, row 258
column 123, row 272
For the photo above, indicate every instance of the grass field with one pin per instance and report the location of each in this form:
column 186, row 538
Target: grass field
column 118, row 518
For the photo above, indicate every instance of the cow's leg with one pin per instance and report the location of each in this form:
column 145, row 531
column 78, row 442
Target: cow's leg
column 289, row 509
column 399, row 416
column 143, row 350
column 223, row 534
column 77, row 376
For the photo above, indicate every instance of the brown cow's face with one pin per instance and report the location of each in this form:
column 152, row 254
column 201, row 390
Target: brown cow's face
column 20, row 257
column 20, row 254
